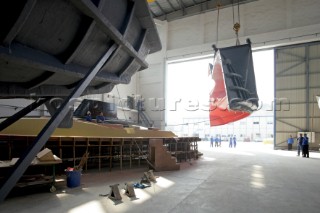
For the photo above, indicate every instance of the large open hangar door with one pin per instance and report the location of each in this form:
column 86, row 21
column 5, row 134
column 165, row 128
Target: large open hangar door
column 297, row 83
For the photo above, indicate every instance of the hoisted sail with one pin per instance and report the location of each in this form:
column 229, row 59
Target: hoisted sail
column 234, row 95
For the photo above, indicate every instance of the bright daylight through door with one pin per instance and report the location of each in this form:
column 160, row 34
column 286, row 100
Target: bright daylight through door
column 188, row 100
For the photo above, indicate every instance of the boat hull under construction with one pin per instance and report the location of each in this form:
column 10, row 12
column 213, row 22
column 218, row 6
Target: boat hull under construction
column 47, row 47
column 56, row 51
column 234, row 95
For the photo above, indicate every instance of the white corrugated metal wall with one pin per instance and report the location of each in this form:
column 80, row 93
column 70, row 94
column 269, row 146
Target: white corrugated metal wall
column 297, row 82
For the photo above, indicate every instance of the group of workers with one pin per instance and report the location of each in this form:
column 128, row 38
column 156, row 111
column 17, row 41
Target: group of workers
column 302, row 144
column 233, row 142
column 217, row 141
column 99, row 118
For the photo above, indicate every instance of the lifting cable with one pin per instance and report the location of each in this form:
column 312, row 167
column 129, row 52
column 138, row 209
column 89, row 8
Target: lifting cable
column 236, row 25
column 217, row 30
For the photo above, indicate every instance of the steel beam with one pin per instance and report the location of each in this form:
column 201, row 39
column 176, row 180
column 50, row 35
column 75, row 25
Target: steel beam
column 299, row 88
column 29, row 57
column 85, row 37
column 88, row 8
column 275, row 51
column 297, row 74
column 307, row 87
column 297, row 117
column 25, row 160
column 196, row 9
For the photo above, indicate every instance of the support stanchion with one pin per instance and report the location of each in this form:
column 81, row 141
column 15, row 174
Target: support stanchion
column 130, row 190
column 114, row 192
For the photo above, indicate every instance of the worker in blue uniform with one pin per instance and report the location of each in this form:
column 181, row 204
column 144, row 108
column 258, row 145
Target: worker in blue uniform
column 216, row 141
column 100, row 118
column 230, row 142
column 299, row 144
column 305, row 146
column 211, row 141
column 88, row 116
column 290, row 142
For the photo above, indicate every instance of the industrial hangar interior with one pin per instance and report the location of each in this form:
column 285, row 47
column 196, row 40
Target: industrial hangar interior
column 160, row 106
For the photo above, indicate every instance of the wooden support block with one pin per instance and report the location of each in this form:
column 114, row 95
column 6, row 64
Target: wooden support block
column 114, row 192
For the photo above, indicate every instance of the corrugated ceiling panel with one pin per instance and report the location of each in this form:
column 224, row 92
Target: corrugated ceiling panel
column 165, row 6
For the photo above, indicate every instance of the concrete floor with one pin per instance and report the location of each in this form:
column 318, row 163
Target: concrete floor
column 250, row 178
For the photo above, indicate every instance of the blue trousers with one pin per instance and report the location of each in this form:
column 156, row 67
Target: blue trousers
column 299, row 147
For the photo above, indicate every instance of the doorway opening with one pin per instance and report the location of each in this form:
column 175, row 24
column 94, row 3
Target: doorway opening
column 187, row 100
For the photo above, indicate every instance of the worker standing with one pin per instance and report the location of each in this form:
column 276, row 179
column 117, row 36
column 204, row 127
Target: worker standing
column 216, row 141
column 299, row 144
column 211, row 141
column 290, row 142
column 305, row 146
column 230, row 142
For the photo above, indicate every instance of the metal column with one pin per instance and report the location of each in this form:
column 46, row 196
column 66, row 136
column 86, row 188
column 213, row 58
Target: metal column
column 307, row 88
